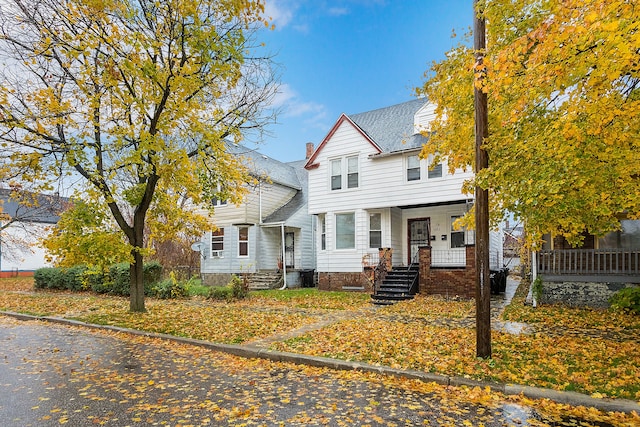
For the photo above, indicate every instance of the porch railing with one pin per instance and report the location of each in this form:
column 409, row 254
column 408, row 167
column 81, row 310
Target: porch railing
column 448, row 258
column 589, row 262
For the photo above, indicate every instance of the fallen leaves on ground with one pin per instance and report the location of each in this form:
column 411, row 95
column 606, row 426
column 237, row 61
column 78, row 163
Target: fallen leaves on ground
column 428, row 334
column 84, row 377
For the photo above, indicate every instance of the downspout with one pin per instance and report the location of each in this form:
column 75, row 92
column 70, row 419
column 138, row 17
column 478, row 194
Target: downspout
column 260, row 201
column 284, row 262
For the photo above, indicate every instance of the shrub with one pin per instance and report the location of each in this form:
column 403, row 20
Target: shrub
column 236, row 289
column 48, row 278
column 152, row 272
column 221, row 293
column 74, row 278
column 118, row 282
column 627, row 300
column 171, row 288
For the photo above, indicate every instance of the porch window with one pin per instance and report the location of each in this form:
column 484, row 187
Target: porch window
column 375, row 230
column 628, row 237
column 323, row 232
column 217, row 242
column 344, row 170
column 243, row 241
column 346, row 231
column 457, row 236
column 413, row 168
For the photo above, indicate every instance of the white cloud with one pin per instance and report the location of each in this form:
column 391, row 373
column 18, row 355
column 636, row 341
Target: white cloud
column 281, row 12
column 338, row 11
column 311, row 113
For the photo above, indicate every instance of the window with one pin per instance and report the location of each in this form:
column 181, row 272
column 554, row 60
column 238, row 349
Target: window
column 336, row 174
column 375, row 230
column 216, row 200
column 345, row 231
column 350, row 174
column 434, row 171
column 243, row 241
column 457, row 236
column 413, row 168
column 323, row 233
column 217, row 242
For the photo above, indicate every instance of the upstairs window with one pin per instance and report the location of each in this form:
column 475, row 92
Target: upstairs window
column 217, row 200
column 336, row 174
column 344, row 171
column 352, row 172
column 413, row 168
column 435, row 171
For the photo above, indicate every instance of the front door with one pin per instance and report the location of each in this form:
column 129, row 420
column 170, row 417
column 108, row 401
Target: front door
column 419, row 230
column 289, row 249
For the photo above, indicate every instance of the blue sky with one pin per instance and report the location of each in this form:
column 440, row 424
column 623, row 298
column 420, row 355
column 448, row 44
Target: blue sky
column 350, row 56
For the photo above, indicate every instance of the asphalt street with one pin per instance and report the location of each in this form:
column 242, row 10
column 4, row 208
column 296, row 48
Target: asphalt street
column 52, row 375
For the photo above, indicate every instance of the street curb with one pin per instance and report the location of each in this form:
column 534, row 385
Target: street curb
column 248, row 351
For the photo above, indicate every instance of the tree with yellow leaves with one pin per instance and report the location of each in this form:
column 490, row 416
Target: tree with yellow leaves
column 563, row 82
column 138, row 98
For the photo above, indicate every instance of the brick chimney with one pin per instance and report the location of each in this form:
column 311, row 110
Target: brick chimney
column 309, row 150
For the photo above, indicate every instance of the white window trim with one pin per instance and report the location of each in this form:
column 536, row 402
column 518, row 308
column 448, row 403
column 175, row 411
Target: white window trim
column 335, row 231
column 216, row 253
column 219, row 203
column 322, row 225
column 369, row 213
column 344, row 173
column 247, row 241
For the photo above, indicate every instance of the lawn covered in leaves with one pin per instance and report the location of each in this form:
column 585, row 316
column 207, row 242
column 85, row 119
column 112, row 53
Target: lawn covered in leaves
column 590, row 351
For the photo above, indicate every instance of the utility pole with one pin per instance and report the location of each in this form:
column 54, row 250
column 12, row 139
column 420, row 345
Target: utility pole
column 483, row 285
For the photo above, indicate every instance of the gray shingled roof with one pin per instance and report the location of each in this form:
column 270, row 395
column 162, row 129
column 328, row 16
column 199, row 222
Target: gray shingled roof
column 391, row 128
column 47, row 211
column 298, row 201
column 261, row 165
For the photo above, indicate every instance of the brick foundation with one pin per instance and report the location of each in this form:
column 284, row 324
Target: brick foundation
column 448, row 282
column 344, row 282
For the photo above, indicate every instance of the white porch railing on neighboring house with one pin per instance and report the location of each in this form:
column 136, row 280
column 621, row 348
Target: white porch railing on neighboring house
column 589, row 263
column 449, row 257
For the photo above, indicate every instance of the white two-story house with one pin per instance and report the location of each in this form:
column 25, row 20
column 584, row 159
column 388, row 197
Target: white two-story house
column 270, row 231
column 368, row 189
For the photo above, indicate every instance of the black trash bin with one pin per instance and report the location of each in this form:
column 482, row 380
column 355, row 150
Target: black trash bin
column 306, row 277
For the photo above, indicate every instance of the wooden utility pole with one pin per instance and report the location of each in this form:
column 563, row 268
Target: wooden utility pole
column 483, row 285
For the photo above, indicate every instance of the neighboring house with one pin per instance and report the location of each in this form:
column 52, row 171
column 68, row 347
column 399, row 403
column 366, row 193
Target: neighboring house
column 270, row 231
column 591, row 273
column 22, row 227
column 371, row 194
